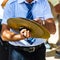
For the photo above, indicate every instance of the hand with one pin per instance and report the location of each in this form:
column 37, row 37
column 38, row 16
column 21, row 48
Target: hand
column 38, row 20
column 25, row 33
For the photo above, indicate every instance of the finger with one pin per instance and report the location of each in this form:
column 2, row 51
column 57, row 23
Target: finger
column 28, row 34
column 22, row 31
column 25, row 33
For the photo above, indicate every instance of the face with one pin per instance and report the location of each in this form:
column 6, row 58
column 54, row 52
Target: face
column 29, row 1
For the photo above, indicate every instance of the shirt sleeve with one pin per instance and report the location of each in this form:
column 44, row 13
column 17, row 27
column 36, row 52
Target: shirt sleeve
column 47, row 10
column 8, row 12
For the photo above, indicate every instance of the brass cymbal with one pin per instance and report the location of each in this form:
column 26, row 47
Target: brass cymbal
column 37, row 31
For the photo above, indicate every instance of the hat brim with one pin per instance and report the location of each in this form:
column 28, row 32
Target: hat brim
column 37, row 31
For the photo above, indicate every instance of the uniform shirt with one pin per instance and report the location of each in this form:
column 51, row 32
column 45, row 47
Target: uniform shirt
column 17, row 8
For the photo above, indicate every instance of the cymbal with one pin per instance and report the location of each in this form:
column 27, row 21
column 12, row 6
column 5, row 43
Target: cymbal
column 36, row 30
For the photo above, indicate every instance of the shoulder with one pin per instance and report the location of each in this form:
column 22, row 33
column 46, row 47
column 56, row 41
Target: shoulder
column 11, row 1
column 10, row 5
column 42, row 1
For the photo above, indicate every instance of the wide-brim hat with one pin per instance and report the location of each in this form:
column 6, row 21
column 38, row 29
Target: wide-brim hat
column 36, row 30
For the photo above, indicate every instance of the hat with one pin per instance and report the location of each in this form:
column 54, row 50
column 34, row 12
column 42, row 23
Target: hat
column 37, row 31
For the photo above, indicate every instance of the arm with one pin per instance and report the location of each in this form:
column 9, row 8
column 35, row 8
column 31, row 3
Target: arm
column 48, row 20
column 6, row 35
column 49, row 24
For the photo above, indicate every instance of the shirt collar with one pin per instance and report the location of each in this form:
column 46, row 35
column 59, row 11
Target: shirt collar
column 21, row 1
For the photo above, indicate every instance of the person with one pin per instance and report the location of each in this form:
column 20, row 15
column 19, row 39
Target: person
column 1, row 15
column 50, row 41
column 1, row 11
column 56, row 7
column 4, row 3
column 19, row 49
column 3, row 50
